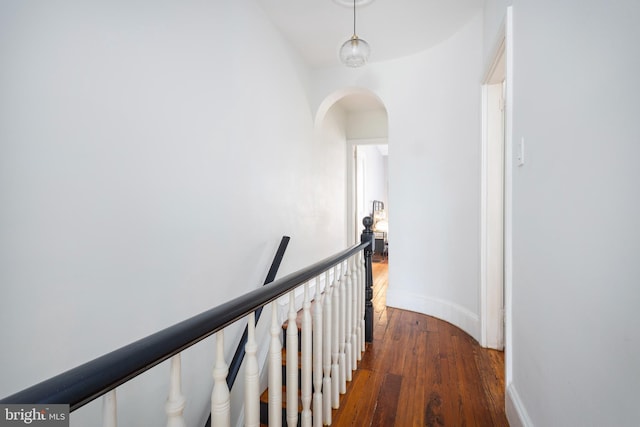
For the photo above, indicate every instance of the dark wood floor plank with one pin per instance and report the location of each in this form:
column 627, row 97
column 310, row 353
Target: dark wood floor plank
column 387, row 407
column 449, row 384
column 403, row 339
column 404, row 413
column 432, row 325
column 351, row 408
column 432, row 409
column 490, row 366
column 475, row 398
column 370, row 402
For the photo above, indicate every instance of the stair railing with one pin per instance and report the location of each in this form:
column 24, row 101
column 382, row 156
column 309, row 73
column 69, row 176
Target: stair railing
column 238, row 357
column 333, row 341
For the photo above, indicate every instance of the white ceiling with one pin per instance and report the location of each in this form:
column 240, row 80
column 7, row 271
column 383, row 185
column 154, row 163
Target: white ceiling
column 393, row 28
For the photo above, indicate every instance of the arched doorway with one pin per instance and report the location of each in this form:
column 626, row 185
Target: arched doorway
column 359, row 118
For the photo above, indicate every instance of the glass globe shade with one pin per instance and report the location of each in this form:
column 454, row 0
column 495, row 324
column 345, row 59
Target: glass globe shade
column 355, row 52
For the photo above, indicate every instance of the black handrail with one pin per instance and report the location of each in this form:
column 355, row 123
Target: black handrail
column 238, row 357
column 89, row 381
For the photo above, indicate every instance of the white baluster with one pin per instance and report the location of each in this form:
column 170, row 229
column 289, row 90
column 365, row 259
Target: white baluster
column 175, row 403
column 335, row 341
column 220, row 402
column 355, row 345
column 251, row 377
column 348, row 322
column 317, row 354
column 356, row 291
column 326, row 350
column 292, row 364
column 275, row 369
column 110, row 409
column 341, row 330
column 306, row 358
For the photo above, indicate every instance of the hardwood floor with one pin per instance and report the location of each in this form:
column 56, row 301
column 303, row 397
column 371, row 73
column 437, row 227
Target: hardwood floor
column 421, row 371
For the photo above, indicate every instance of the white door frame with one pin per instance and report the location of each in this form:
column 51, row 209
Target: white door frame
column 492, row 206
column 495, row 194
column 354, row 224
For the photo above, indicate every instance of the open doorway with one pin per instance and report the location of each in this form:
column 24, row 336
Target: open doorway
column 493, row 205
column 372, row 192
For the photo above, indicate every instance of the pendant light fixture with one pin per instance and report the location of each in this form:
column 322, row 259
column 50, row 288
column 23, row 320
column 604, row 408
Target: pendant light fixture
column 355, row 51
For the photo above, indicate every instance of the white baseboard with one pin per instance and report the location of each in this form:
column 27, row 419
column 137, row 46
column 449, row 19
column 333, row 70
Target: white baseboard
column 442, row 309
column 516, row 412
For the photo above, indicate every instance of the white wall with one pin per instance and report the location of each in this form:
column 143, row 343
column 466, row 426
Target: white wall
column 152, row 154
column 331, row 135
column 433, row 105
column 576, row 205
column 493, row 27
column 367, row 124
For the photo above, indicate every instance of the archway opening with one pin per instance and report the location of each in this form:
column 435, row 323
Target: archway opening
column 359, row 118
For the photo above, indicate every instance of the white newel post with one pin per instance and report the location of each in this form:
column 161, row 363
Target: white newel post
column 342, row 326
column 275, row 369
column 335, row 341
column 110, row 410
column 326, row 350
column 220, row 401
column 292, row 364
column 306, row 358
column 175, row 402
column 317, row 354
column 251, row 378
column 348, row 284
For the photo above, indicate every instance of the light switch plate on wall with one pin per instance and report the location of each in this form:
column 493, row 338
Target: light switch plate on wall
column 521, row 152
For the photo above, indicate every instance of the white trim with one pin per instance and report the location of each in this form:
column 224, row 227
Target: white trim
column 491, row 323
column 508, row 198
column 498, row 57
column 516, row 412
column 446, row 310
column 483, row 218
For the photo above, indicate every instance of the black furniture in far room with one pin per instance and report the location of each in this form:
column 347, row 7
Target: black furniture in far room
column 380, row 227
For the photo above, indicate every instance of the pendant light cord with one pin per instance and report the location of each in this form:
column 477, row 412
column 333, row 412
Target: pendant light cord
column 354, row 17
